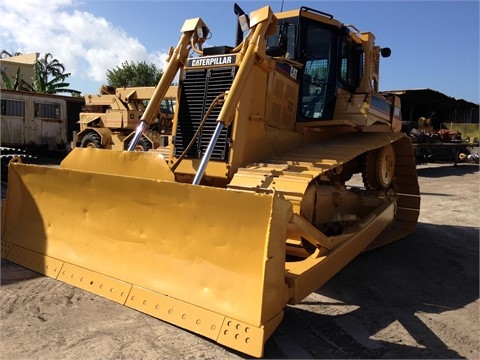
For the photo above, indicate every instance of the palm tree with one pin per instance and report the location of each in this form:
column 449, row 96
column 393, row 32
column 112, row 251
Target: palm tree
column 5, row 54
column 56, row 85
column 50, row 67
column 43, row 68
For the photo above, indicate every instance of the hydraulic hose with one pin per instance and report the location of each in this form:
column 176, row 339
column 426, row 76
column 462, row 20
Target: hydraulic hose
column 218, row 100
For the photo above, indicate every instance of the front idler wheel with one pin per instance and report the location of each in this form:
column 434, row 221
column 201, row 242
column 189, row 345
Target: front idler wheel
column 379, row 168
column 385, row 166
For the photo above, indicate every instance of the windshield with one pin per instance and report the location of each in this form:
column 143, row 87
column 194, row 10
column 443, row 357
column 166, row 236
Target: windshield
column 166, row 106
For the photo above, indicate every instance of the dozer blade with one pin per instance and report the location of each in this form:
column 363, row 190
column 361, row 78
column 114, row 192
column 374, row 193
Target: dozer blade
column 209, row 260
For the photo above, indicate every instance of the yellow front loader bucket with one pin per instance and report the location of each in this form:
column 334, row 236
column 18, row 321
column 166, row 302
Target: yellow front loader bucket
column 116, row 224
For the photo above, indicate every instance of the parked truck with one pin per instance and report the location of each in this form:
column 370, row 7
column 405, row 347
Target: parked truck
column 33, row 121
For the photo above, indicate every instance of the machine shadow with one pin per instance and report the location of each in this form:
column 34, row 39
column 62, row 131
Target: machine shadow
column 389, row 286
column 12, row 273
column 447, row 170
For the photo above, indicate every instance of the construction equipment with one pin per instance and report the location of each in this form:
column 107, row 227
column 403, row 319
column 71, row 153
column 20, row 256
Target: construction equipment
column 110, row 118
column 452, row 142
column 253, row 209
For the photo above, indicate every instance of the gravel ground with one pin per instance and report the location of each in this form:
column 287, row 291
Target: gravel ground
column 415, row 298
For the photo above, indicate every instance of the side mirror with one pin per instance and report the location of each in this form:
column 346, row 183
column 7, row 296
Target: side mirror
column 275, row 51
column 385, row 52
column 281, row 48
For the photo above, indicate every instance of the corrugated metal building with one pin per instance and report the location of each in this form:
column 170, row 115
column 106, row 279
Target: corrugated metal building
column 440, row 108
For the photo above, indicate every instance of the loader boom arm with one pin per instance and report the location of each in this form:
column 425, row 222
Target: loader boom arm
column 177, row 58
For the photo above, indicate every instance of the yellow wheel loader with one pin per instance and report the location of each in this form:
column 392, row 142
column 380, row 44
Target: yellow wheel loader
column 110, row 119
column 252, row 210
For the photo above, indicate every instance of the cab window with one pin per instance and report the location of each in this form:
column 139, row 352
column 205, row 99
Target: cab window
column 351, row 64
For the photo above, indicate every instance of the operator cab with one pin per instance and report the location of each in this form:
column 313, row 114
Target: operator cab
column 315, row 40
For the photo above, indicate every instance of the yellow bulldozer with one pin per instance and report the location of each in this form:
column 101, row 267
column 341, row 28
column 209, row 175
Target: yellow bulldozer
column 253, row 209
column 110, row 118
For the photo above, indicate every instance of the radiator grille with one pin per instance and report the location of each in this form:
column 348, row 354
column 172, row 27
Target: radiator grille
column 199, row 89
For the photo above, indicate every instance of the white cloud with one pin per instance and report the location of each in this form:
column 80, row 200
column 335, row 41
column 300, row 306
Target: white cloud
column 87, row 45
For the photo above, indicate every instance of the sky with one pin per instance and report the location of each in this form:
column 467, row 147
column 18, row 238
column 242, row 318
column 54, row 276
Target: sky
column 435, row 44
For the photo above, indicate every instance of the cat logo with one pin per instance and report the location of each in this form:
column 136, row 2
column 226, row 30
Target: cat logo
column 212, row 60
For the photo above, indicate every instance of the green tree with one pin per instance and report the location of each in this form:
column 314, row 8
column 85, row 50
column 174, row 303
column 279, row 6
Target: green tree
column 16, row 83
column 56, row 85
column 132, row 74
column 48, row 77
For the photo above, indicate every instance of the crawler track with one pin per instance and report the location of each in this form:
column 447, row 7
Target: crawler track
column 291, row 172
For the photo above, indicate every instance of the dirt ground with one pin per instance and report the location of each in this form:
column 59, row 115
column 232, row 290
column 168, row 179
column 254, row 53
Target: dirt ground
column 416, row 298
